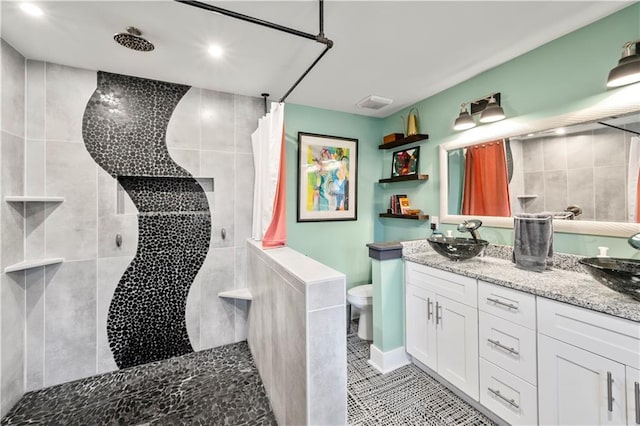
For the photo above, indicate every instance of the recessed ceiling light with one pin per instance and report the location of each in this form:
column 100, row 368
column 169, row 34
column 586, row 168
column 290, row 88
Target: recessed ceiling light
column 215, row 51
column 31, row 9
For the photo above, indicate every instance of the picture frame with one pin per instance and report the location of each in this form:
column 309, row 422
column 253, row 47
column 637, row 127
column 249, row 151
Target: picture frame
column 327, row 178
column 405, row 162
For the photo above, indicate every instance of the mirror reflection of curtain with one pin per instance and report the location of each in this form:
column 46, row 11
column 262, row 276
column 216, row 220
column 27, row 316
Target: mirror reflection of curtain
column 486, row 185
column 456, row 180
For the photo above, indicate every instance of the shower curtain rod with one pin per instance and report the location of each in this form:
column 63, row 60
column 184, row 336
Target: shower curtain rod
column 619, row 128
column 320, row 37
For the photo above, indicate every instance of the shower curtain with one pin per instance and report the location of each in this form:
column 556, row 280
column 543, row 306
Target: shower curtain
column 486, row 185
column 633, row 181
column 269, row 193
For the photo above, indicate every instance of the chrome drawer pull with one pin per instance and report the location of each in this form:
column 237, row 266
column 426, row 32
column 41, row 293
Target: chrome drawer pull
column 610, row 398
column 438, row 310
column 429, row 312
column 636, row 391
column 500, row 302
column 501, row 346
column 497, row 393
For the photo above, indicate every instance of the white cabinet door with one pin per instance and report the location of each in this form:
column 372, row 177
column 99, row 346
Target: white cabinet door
column 577, row 387
column 457, row 326
column 633, row 396
column 420, row 325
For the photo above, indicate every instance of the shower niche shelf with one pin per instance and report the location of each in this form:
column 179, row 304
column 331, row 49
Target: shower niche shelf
column 241, row 293
column 35, row 263
column 32, row 199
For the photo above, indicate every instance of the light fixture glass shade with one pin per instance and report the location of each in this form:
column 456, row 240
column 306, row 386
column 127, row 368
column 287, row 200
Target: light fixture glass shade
column 628, row 69
column 492, row 112
column 464, row 120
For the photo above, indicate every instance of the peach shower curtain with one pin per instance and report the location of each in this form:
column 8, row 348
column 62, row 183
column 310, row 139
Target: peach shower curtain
column 486, row 185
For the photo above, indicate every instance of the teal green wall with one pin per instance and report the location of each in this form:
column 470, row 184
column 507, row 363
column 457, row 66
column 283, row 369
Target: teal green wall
column 340, row 245
column 561, row 72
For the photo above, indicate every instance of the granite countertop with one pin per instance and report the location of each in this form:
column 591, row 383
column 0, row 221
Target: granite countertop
column 569, row 286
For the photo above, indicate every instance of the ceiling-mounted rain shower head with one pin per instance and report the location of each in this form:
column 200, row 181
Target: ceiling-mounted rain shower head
column 132, row 39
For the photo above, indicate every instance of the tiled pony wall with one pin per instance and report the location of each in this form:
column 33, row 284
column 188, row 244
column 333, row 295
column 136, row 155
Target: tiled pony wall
column 80, row 316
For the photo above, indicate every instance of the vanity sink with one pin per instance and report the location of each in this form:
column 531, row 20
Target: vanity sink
column 457, row 248
column 621, row 275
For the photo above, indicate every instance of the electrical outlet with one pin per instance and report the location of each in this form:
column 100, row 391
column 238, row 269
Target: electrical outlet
column 435, row 221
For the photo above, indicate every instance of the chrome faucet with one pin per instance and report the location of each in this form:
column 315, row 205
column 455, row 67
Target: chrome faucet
column 634, row 241
column 471, row 226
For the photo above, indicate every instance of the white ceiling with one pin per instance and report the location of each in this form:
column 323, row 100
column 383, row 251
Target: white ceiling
column 401, row 50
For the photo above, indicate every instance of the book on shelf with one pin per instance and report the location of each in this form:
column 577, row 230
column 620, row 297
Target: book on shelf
column 405, row 205
column 395, row 204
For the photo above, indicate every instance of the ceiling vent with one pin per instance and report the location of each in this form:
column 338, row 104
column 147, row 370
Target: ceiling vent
column 374, row 102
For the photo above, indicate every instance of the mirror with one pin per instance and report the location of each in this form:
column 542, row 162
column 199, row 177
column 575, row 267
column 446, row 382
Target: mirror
column 574, row 164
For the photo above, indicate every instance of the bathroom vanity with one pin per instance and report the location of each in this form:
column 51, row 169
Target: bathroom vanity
column 533, row 348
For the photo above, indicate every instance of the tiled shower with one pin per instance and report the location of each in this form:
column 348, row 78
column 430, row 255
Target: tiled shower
column 62, row 310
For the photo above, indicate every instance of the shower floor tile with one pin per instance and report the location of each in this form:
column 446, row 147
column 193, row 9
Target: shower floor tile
column 220, row 386
column 406, row 396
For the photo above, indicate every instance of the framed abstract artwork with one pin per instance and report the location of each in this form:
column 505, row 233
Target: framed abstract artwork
column 327, row 178
column 405, row 162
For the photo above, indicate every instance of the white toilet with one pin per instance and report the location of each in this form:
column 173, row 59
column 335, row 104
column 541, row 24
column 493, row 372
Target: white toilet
column 361, row 297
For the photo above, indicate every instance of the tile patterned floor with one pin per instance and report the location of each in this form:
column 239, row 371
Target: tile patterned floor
column 406, row 396
column 219, row 386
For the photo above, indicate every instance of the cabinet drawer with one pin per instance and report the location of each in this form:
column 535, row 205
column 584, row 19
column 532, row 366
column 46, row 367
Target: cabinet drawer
column 611, row 337
column 453, row 286
column 509, row 345
column 512, row 305
column 509, row 397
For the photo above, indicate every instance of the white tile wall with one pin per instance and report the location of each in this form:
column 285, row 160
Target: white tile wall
column 297, row 336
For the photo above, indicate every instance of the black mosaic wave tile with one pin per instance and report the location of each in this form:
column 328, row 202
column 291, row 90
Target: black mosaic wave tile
column 125, row 125
column 124, row 129
column 219, row 386
column 162, row 194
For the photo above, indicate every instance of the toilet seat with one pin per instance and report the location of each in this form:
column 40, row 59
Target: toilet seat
column 361, row 296
column 364, row 291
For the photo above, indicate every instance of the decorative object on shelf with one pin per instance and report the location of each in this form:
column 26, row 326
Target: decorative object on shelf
column 392, row 137
column 413, row 123
column 394, row 203
column 628, row 69
column 405, row 162
column 327, row 178
column 405, row 205
column 488, row 107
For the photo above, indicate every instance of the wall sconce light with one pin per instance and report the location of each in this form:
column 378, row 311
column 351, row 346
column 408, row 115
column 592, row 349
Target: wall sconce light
column 488, row 107
column 628, row 69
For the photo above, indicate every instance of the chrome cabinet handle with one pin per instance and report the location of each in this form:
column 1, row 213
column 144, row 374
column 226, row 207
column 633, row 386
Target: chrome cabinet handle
column 500, row 302
column 497, row 393
column 636, row 391
column 438, row 310
column 429, row 312
column 501, row 346
column 610, row 398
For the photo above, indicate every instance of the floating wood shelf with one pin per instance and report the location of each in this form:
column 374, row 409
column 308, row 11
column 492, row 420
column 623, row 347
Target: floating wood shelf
column 406, row 216
column 32, row 199
column 404, row 141
column 404, row 178
column 28, row 264
column 241, row 293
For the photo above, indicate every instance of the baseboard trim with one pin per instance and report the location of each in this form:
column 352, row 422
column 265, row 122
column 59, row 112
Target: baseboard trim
column 386, row 362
